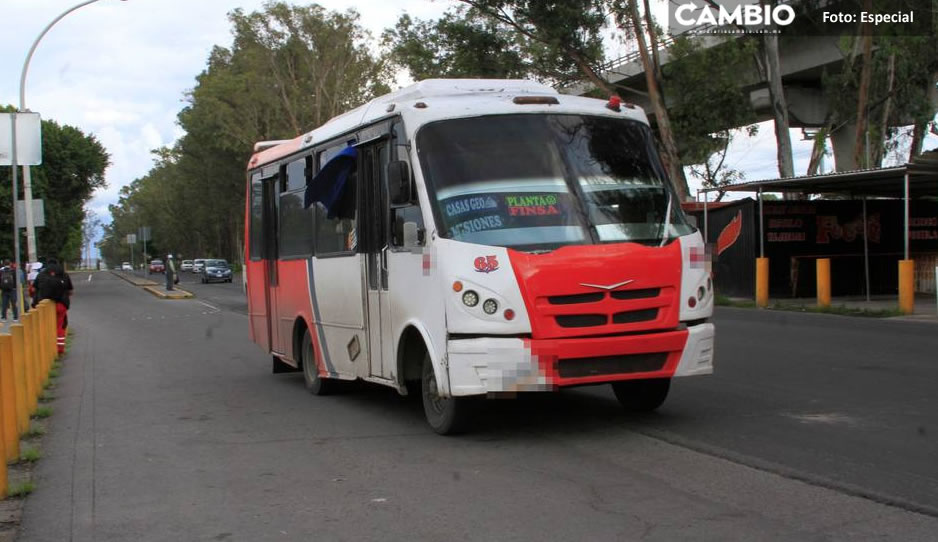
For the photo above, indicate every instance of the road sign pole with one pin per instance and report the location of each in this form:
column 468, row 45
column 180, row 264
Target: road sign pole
column 16, row 229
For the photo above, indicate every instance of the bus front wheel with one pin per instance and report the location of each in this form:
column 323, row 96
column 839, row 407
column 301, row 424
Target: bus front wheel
column 642, row 395
column 314, row 383
column 446, row 415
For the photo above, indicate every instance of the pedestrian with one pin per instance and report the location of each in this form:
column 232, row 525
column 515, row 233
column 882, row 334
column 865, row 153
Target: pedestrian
column 171, row 277
column 53, row 283
column 33, row 270
column 8, row 276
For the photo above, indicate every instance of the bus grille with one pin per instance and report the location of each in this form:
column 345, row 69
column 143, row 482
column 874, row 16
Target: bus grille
column 611, row 365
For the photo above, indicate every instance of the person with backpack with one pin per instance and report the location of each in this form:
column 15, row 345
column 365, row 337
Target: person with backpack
column 53, row 283
column 8, row 275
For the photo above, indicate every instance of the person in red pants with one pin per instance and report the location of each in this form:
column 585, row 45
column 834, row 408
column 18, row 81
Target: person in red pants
column 53, row 283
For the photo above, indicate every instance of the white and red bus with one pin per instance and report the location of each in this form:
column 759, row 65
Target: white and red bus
column 466, row 238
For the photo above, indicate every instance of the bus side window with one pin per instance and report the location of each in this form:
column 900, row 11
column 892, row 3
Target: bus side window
column 407, row 229
column 257, row 217
column 296, row 223
column 338, row 235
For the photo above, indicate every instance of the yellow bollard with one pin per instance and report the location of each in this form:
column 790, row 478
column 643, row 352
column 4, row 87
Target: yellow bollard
column 53, row 333
column 4, row 485
column 50, row 337
column 29, row 358
column 762, row 282
column 907, row 286
column 41, row 347
column 824, row 282
column 8, row 430
column 20, row 378
column 37, row 355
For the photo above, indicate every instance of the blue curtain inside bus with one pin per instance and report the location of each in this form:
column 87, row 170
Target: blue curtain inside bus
column 329, row 185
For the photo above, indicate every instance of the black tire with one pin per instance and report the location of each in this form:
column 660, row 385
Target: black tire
column 446, row 416
column 314, row 383
column 203, row 280
column 642, row 395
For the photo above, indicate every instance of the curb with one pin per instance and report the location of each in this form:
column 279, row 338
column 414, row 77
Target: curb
column 134, row 280
column 161, row 293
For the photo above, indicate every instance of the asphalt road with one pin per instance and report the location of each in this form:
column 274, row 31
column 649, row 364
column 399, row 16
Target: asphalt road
column 169, row 426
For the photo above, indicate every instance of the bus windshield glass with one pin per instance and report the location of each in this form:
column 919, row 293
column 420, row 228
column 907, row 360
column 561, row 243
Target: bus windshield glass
column 537, row 182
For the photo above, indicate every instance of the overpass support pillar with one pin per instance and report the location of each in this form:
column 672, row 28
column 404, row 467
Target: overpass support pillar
column 843, row 141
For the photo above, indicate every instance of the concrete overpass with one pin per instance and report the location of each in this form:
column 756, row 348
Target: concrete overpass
column 803, row 61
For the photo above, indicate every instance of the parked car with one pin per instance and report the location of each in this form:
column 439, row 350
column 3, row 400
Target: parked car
column 198, row 266
column 216, row 271
column 186, row 265
column 126, row 266
column 156, row 266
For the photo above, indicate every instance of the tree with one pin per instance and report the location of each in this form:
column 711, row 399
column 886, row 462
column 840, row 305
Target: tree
column 73, row 166
column 461, row 44
column 630, row 20
column 289, row 69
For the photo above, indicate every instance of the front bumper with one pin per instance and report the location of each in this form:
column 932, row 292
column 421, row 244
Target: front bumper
column 495, row 365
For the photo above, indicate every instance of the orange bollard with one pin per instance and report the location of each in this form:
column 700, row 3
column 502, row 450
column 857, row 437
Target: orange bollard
column 907, row 286
column 824, row 282
column 20, row 378
column 762, row 282
column 8, row 430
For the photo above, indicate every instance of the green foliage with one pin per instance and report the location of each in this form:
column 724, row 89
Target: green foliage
column 35, row 431
column 21, row 489
column 704, row 94
column 42, row 412
column 461, row 44
column 73, row 166
column 560, row 39
column 289, row 70
column 30, row 455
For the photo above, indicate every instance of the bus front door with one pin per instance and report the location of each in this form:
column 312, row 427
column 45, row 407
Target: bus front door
column 373, row 170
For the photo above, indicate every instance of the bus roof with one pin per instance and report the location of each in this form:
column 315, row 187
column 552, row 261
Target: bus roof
column 450, row 98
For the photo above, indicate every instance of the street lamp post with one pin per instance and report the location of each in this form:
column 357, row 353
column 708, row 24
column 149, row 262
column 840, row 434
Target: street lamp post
column 27, row 179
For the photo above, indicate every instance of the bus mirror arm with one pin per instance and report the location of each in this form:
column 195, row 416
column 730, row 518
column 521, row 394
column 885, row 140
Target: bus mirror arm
column 399, row 184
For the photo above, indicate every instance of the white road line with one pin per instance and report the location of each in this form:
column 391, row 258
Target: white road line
column 89, row 277
column 214, row 308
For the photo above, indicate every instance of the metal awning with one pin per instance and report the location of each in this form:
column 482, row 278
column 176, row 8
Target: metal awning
column 916, row 179
column 879, row 182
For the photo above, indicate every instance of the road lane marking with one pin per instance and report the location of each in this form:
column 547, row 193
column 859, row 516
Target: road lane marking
column 214, row 308
column 89, row 278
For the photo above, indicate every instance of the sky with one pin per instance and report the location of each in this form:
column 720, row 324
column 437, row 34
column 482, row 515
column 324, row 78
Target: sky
column 119, row 70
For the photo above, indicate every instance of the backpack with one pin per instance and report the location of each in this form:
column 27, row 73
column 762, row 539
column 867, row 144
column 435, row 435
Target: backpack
column 7, row 279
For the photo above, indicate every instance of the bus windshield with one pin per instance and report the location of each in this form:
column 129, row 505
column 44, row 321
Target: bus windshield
column 537, row 182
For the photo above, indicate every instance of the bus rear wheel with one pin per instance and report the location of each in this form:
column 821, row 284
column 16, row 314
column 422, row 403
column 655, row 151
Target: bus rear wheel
column 314, row 383
column 642, row 395
column 446, row 415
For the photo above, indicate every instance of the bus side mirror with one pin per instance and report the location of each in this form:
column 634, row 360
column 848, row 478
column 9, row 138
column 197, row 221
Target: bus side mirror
column 399, row 183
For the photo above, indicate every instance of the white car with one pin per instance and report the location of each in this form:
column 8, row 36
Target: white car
column 198, row 266
column 186, row 265
column 126, row 267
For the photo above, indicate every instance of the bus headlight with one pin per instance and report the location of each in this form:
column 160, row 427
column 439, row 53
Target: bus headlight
column 470, row 298
column 490, row 306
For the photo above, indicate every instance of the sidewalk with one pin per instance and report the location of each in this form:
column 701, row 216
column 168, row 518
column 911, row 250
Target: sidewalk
column 926, row 306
